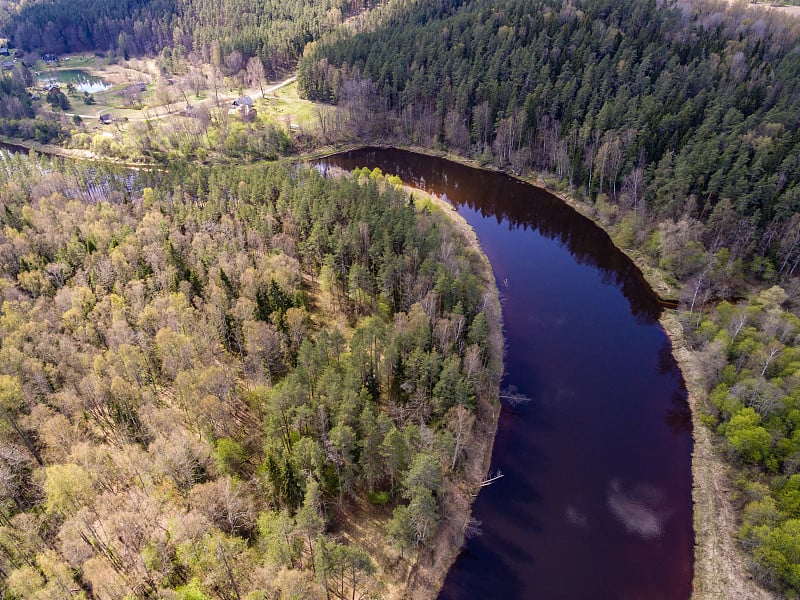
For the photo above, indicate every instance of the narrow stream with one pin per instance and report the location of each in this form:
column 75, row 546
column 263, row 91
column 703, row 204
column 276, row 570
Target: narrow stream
column 596, row 498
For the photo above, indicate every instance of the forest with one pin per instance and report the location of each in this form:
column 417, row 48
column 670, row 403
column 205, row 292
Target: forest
column 337, row 366
column 674, row 120
column 274, row 31
column 204, row 372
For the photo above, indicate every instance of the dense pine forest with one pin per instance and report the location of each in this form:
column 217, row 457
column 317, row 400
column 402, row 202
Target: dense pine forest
column 275, row 31
column 679, row 119
column 204, row 372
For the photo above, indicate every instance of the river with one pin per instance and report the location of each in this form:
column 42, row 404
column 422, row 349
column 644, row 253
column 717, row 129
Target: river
column 595, row 501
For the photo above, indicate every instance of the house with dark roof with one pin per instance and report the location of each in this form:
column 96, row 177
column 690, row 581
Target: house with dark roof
column 243, row 101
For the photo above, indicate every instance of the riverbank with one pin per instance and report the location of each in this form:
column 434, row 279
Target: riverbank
column 666, row 292
column 720, row 571
column 28, row 146
column 428, row 574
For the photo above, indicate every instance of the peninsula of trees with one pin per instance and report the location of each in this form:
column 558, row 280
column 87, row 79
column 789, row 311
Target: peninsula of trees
column 210, row 376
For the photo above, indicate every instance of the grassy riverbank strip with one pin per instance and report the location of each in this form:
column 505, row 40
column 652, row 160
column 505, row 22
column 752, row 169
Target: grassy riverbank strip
column 720, row 572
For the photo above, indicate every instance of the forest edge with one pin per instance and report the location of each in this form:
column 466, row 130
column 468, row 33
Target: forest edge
column 428, row 574
column 425, row 577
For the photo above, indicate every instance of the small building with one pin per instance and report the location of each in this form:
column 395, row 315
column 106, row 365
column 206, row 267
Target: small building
column 243, row 101
column 105, row 118
column 49, row 57
column 7, row 65
column 4, row 51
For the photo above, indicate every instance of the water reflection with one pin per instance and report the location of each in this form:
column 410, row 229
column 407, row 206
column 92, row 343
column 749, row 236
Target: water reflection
column 636, row 509
column 82, row 80
column 519, row 206
column 87, row 181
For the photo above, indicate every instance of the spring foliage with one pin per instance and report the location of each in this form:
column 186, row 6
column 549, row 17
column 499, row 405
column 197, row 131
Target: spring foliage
column 749, row 354
column 199, row 369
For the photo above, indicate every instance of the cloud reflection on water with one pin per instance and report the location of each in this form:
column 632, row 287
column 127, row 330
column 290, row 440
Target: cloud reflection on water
column 636, row 509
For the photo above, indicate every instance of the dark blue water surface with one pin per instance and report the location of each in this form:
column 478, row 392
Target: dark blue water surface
column 596, row 498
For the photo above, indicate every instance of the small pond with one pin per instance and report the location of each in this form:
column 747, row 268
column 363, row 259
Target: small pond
column 82, row 80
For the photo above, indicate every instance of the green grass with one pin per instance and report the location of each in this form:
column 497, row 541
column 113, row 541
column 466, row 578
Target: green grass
column 84, row 61
column 289, row 91
column 287, row 103
column 77, row 61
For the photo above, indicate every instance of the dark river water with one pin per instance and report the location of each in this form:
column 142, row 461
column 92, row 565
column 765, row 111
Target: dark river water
column 596, row 498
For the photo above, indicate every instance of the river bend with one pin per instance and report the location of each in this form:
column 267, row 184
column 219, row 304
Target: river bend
column 596, row 498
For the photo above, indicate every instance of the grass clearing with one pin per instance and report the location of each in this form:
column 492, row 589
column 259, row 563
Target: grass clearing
column 82, row 61
column 286, row 106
